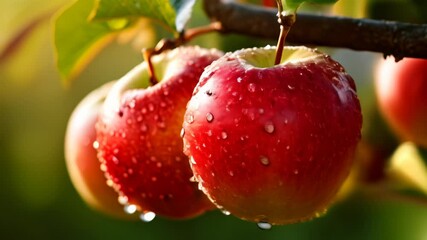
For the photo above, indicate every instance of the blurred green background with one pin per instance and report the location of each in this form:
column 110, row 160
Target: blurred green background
column 37, row 199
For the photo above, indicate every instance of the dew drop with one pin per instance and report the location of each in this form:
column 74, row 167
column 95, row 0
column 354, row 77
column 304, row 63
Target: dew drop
column 296, row 171
column 144, row 128
column 192, row 161
column 209, row 132
column 161, row 125
column 224, row 135
column 150, row 107
column 269, row 127
column 153, row 179
column 225, row 212
column 103, row 167
column 130, row 208
column 209, row 117
column 147, row 216
column 261, row 111
column 239, row 79
column 264, row 225
column 95, row 145
column 182, row 133
column 123, row 199
column 189, row 118
column 321, row 213
column 109, row 182
column 159, row 164
column 115, row 160
column 251, row 87
column 132, row 104
column 231, row 173
column 291, row 87
column 264, row 161
column 193, row 179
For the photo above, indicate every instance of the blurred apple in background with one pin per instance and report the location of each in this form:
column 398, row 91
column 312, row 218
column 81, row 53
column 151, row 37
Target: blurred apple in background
column 401, row 89
column 81, row 156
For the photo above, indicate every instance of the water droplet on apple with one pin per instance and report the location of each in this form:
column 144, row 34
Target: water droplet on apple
column 123, row 200
column 109, row 183
column 225, row 212
column 291, row 87
column 288, row 147
column 192, row 161
column 209, row 92
column 161, row 125
column 209, row 132
column 139, row 118
column 115, row 160
column 147, row 216
column 296, row 171
column 224, row 135
column 182, row 133
column 103, row 167
column 209, row 117
column 189, row 118
column 130, row 208
column 264, row 225
column 150, row 107
column 144, row 128
column 159, row 164
column 231, row 173
column 239, row 79
column 261, row 111
column 269, row 127
column 153, row 179
column 321, row 213
column 132, row 103
column 95, row 145
column 251, row 87
column 264, row 160
column 193, row 179
column 143, row 110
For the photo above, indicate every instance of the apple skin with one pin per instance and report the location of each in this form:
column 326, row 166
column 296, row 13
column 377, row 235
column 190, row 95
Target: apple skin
column 401, row 94
column 81, row 156
column 139, row 135
column 272, row 144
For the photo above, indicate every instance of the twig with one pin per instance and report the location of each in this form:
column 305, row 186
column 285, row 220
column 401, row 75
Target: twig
column 388, row 37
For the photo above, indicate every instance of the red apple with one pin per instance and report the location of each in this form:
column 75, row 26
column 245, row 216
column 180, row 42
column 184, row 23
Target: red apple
column 81, row 156
column 269, row 3
column 401, row 93
column 272, row 144
column 139, row 136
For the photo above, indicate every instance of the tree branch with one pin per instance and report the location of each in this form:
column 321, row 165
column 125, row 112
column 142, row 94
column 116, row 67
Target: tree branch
column 388, row 37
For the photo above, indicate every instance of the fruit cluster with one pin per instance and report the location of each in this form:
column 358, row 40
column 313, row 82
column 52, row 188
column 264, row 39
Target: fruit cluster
column 267, row 143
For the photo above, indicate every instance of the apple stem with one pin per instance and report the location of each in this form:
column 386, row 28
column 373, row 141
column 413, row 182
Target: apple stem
column 286, row 21
column 148, row 53
column 167, row 44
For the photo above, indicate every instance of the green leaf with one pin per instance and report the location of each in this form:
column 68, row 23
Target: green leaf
column 77, row 40
column 172, row 13
column 292, row 5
